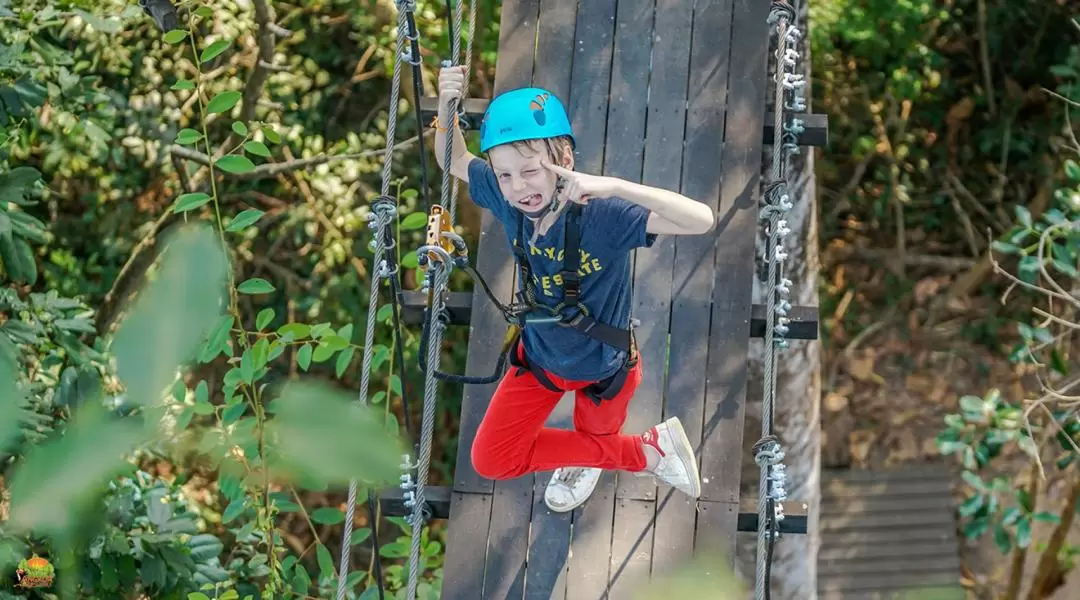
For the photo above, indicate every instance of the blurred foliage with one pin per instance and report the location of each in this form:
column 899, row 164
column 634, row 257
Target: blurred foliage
column 228, row 481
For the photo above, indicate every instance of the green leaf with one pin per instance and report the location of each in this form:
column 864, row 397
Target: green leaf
column 255, row 285
column 322, row 353
column 410, row 261
column 1023, row 533
column 263, row 319
column 257, row 148
column 245, row 219
column 343, row 361
column 1047, row 517
column 233, row 510
column 183, row 84
column 1072, row 170
column 239, row 128
column 1002, row 539
column 223, row 101
column 975, row 528
column 395, row 384
column 191, row 201
column 1005, row 247
column 213, row 50
column 58, row 482
column 327, row 515
column 971, row 505
column 197, row 596
column 297, row 331
column 971, row 404
column 12, row 398
column 233, row 413
column 174, row 36
column 271, row 135
column 1023, row 215
column 973, row 480
column 322, row 432
column 187, row 136
column 235, row 164
column 204, row 11
column 303, row 356
column 414, row 220
column 173, row 315
column 386, row 311
column 360, row 535
column 326, row 562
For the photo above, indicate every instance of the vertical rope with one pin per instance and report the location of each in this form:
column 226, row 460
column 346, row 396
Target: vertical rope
column 767, row 451
column 383, row 212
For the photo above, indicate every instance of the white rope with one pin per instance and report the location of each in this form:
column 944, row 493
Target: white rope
column 767, row 452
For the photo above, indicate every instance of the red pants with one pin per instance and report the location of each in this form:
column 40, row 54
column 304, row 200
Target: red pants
column 512, row 439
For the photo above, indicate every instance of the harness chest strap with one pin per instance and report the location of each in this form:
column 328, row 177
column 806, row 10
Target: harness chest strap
column 571, row 284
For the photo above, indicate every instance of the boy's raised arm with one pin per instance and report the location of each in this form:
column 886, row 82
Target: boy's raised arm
column 451, row 85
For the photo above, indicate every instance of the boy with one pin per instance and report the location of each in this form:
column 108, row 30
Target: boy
column 529, row 184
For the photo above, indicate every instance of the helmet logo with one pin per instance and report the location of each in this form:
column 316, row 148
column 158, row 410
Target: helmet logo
column 537, row 106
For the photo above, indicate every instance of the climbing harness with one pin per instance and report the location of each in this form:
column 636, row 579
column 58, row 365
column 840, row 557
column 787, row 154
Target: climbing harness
column 443, row 251
column 767, row 451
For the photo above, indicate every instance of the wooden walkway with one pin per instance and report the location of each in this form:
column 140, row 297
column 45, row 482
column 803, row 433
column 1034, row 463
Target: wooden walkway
column 889, row 534
column 693, row 122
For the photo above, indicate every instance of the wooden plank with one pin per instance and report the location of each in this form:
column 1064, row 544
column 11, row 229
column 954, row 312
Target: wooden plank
column 467, row 540
column 916, row 585
column 590, row 75
column 675, row 514
column 632, row 524
column 548, row 539
column 726, row 395
column 466, row 544
column 816, row 125
column 715, row 532
column 438, row 499
column 511, row 506
column 658, row 133
column 632, row 545
column 804, row 319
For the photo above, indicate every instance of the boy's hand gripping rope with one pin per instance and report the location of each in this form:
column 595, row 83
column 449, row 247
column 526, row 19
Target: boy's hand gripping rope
column 767, row 451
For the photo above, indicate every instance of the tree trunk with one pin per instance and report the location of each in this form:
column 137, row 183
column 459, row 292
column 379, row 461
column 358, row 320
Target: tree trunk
column 796, row 410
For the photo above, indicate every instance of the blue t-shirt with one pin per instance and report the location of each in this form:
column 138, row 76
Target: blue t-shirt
column 610, row 229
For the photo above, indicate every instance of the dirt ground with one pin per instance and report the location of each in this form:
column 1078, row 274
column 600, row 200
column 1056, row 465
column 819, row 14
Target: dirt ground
column 887, row 389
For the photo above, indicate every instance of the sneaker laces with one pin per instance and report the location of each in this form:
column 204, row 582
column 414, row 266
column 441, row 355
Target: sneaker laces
column 569, row 476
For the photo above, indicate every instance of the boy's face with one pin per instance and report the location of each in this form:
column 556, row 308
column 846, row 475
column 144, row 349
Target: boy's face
column 527, row 185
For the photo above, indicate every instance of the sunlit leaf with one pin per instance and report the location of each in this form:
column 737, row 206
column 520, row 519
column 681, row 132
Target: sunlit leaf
column 235, row 164
column 255, row 285
column 223, row 101
column 245, row 219
column 213, row 50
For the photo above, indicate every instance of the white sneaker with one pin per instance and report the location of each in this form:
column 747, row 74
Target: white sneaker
column 678, row 465
column 570, row 487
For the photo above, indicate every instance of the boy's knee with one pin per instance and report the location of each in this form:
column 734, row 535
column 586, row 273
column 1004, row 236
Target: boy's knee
column 491, row 464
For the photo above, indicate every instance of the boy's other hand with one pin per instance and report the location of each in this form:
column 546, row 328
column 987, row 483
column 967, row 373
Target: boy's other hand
column 582, row 187
column 451, row 84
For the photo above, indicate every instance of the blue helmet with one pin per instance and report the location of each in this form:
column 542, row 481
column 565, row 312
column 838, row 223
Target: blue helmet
column 523, row 114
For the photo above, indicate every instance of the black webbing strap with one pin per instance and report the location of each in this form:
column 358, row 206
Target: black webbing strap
column 571, row 250
column 571, row 283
